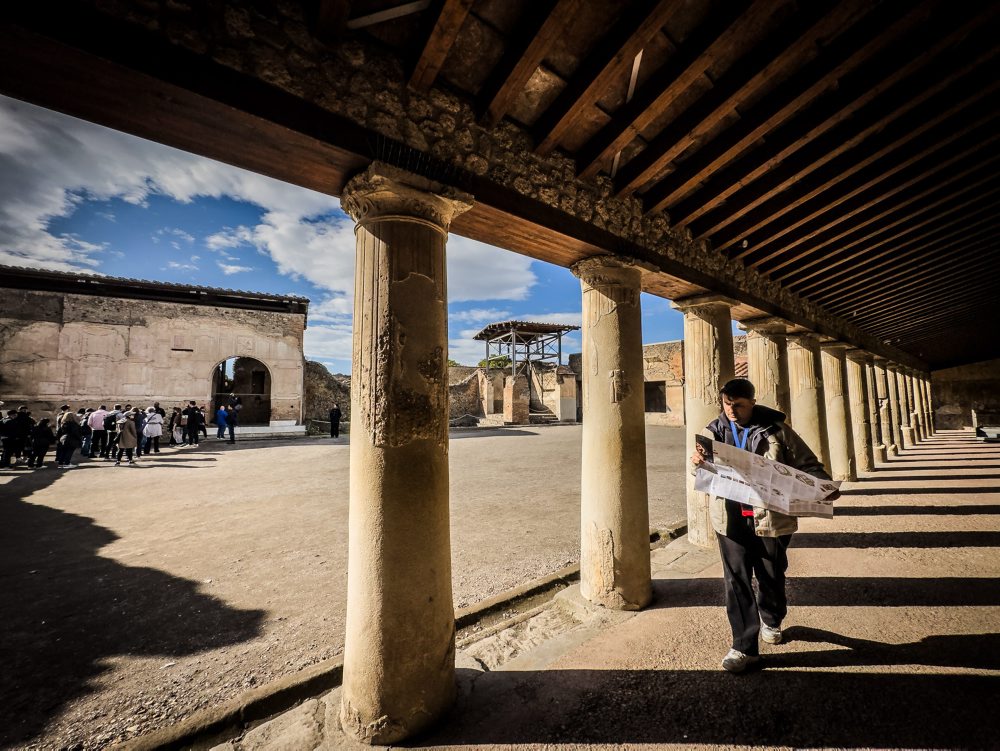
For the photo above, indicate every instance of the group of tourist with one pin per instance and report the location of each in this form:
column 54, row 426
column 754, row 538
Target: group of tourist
column 124, row 432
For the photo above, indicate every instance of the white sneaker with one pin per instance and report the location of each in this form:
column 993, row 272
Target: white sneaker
column 736, row 662
column 770, row 634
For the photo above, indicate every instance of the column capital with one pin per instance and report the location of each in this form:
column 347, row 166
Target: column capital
column 385, row 192
column 706, row 300
column 835, row 345
column 603, row 270
column 804, row 338
column 860, row 355
column 766, row 325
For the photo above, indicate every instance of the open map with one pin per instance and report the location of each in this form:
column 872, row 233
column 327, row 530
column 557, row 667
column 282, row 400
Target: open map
column 739, row 475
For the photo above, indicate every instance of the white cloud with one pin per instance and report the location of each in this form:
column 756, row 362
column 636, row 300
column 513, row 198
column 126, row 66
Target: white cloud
column 484, row 315
column 181, row 266
column 329, row 342
column 477, row 271
column 229, row 270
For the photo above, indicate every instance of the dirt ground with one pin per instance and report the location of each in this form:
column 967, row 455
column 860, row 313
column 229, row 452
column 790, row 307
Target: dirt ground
column 134, row 596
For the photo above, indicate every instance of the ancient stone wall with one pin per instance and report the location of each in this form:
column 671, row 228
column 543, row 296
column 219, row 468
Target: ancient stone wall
column 958, row 392
column 87, row 350
column 664, row 363
column 322, row 389
column 463, row 395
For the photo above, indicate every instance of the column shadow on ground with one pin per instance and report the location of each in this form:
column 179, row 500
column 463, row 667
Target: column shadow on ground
column 970, row 510
column 976, row 539
column 944, row 488
column 64, row 609
column 787, row 708
column 842, row 591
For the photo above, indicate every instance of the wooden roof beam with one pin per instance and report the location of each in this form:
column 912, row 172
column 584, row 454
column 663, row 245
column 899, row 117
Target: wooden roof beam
column 523, row 55
column 930, row 310
column 785, row 257
column 765, row 61
column 600, row 67
column 883, row 265
column 689, row 63
column 823, row 277
column 760, row 228
column 439, row 43
column 950, row 327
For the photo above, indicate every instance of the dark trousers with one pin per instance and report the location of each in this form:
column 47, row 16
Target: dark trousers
column 192, row 434
column 99, row 443
column 38, row 458
column 745, row 556
column 232, row 432
column 64, row 454
column 126, row 452
column 7, row 453
column 335, row 429
column 112, row 444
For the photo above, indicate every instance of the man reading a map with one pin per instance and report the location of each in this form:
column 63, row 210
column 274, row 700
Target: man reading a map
column 753, row 541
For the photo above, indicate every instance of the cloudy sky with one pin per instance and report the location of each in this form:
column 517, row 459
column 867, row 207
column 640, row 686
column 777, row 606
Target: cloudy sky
column 79, row 197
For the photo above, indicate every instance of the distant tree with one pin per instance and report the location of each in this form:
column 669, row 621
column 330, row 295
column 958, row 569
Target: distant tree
column 499, row 362
column 453, row 363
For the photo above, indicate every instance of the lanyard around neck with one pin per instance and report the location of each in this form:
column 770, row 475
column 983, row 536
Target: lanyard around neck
column 740, row 441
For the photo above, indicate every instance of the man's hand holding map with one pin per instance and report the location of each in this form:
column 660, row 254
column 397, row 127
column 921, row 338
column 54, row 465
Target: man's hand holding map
column 729, row 472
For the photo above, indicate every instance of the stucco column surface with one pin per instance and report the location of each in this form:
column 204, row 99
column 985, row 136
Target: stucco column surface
column 895, row 407
column 400, row 638
column 916, row 414
column 929, row 402
column 885, row 420
column 767, row 361
column 708, row 364
column 879, row 453
column 905, row 427
column 806, row 399
column 838, row 416
column 859, row 408
column 614, row 511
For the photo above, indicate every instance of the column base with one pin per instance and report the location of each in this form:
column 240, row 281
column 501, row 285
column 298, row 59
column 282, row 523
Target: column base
column 907, row 436
column 881, row 452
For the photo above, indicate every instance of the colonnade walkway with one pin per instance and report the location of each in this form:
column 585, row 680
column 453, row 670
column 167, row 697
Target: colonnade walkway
column 892, row 639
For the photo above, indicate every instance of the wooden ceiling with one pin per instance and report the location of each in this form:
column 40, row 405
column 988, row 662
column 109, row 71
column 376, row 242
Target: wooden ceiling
column 847, row 148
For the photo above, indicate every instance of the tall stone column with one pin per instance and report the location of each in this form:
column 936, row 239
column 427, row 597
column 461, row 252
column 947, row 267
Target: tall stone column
column 708, row 364
column 859, row 397
column 806, row 400
column 929, row 401
column 877, row 442
column 916, row 415
column 886, row 416
column 838, row 415
column 905, row 428
column 896, row 406
column 614, row 514
column 767, row 360
column 399, row 655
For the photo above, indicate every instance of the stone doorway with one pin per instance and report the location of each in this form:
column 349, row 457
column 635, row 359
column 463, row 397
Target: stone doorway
column 246, row 382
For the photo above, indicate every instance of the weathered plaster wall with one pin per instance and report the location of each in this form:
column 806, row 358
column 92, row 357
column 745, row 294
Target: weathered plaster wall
column 463, row 395
column 88, row 350
column 956, row 392
column 664, row 361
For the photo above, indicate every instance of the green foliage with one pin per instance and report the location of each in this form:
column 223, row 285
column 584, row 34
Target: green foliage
column 498, row 362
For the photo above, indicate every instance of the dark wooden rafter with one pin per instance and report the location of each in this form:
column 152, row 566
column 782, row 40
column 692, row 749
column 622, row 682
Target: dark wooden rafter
column 967, row 324
column 881, row 266
column 930, row 310
column 525, row 52
column 440, row 41
column 742, row 79
column 918, row 273
column 331, row 18
column 906, row 144
column 600, row 68
column 690, row 61
column 819, row 79
column 971, row 163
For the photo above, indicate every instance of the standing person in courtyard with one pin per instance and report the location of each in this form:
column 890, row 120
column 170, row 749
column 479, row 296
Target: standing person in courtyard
column 753, row 541
column 23, row 425
column 176, row 427
column 83, row 417
column 8, row 440
column 69, row 438
column 42, row 439
column 335, row 421
column 152, row 431
column 232, row 418
column 220, row 422
column 203, row 420
column 128, row 438
column 112, row 422
column 139, row 416
column 193, row 425
column 98, row 433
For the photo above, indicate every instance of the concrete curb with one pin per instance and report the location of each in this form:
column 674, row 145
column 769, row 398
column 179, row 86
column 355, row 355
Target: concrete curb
column 215, row 725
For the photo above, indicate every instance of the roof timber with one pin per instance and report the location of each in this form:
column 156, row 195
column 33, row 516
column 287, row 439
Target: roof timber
column 443, row 35
column 798, row 210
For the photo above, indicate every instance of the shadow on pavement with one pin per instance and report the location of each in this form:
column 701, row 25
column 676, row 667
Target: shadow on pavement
column 487, row 433
column 988, row 539
column 761, row 708
column 971, row 510
column 64, row 609
column 843, row 591
column 939, row 490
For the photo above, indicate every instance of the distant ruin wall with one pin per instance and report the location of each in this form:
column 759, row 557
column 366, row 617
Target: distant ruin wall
column 86, row 350
column 965, row 393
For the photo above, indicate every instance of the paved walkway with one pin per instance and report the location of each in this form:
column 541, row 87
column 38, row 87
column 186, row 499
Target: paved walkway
column 891, row 641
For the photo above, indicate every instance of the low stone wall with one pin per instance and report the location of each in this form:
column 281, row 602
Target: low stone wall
column 463, row 395
column 958, row 392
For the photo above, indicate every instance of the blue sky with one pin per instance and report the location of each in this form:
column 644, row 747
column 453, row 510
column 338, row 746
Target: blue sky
column 79, row 197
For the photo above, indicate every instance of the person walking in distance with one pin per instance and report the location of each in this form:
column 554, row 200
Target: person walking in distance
column 220, row 422
column 69, row 439
column 232, row 419
column 42, row 439
column 753, row 541
column 152, row 431
column 335, row 421
column 193, row 415
column 98, row 433
column 128, row 437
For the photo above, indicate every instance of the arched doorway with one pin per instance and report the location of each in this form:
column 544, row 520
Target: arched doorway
column 245, row 382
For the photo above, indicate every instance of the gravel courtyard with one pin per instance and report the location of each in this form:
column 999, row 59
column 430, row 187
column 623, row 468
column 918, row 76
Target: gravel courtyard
column 134, row 596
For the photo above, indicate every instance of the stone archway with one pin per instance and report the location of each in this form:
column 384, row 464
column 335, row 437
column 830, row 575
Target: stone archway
column 246, row 382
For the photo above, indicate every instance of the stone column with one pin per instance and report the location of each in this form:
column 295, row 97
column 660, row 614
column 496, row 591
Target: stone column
column 895, row 406
column 859, row 397
column 614, row 513
column 878, row 440
column 916, row 416
column 708, row 364
column 767, row 360
column 905, row 428
column 399, row 655
column 806, row 398
column 886, row 416
column 929, row 404
column 838, row 416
